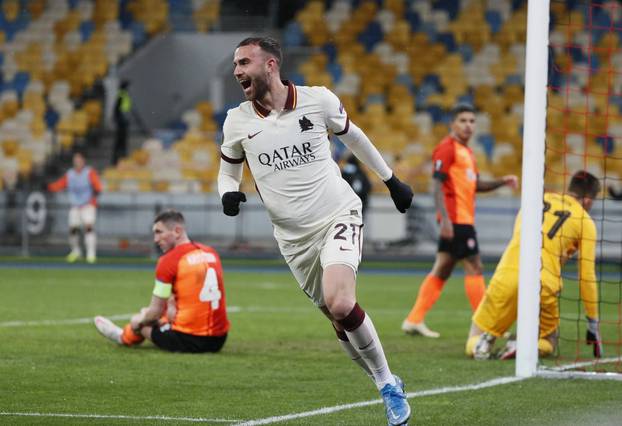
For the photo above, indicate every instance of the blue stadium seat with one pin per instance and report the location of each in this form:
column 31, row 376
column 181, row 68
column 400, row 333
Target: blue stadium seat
column 466, row 51
column 466, row 99
column 371, row 35
column 405, row 80
column 607, row 143
column 20, row 81
column 125, row 17
column 293, row 35
column 451, row 6
column 494, row 19
column 51, row 117
column 296, row 78
column 138, row 33
column 335, row 71
column 331, row 51
column 429, row 29
column 514, row 79
column 487, row 141
column 432, row 80
column 448, row 40
column 414, row 20
column 86, row 29
column 180, row 7
column 437, row 113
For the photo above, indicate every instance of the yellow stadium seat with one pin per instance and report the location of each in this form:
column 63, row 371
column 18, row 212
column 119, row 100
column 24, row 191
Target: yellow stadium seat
column 65, row 140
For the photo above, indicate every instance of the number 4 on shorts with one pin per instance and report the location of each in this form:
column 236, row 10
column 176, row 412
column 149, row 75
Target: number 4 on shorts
column 210, row 291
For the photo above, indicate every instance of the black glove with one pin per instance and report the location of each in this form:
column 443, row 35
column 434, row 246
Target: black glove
column 231, row 202
column 401, row 193
column 592, row 337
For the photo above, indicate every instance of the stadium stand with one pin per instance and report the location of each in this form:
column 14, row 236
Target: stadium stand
column 397, row 66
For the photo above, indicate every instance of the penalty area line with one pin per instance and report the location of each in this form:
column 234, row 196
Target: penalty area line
column 119, row 417
column 329, row 410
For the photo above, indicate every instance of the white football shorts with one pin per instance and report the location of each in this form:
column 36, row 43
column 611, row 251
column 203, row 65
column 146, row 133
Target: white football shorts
column 340, row 242
column 82, row 216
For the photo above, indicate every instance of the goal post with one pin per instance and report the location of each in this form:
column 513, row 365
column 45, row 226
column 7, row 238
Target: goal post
column 534, row 133
column 572, row 121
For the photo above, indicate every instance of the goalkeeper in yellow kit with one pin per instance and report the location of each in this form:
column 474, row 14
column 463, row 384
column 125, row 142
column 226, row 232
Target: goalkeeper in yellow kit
column 566, row 228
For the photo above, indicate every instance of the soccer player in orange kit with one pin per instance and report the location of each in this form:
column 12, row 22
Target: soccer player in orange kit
column 187, row 312
column 456, row 180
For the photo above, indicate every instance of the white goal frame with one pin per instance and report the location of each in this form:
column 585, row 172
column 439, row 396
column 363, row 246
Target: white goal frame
column 536, row 75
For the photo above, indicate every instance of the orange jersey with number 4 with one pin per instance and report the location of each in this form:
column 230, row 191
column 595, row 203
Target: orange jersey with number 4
column 566, row 229
column 195, row 272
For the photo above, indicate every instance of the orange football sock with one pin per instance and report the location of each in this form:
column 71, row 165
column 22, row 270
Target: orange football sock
column 475, row 287
column 429, row 292
column 129, row 337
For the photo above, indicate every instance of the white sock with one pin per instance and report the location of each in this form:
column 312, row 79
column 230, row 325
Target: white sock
column 355, row 356
column 366, row 342
column 90, row 240
column 74, row 243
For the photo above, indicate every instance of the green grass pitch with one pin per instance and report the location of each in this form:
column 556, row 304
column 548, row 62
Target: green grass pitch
column 281, row 358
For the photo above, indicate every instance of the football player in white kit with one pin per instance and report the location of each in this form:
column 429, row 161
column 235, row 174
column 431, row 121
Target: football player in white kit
column 281, row 132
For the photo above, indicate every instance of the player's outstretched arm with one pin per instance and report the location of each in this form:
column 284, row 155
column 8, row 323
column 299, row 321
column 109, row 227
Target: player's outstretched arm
column 491, row 185
column 588, row 286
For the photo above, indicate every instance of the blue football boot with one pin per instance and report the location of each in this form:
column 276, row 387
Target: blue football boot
column 395, row 403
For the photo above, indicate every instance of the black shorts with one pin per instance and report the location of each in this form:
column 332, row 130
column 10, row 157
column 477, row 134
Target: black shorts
column 176, row 341
column 464, row 243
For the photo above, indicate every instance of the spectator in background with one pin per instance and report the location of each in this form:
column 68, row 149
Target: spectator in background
column 353, row 173
column 187, row 312
column 456, row 180
column 83, row 186
column 122, row 111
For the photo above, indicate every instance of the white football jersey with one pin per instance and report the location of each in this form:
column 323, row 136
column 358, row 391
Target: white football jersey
column 289, row 156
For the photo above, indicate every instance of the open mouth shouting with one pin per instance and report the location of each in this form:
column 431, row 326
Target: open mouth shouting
column 246, row 84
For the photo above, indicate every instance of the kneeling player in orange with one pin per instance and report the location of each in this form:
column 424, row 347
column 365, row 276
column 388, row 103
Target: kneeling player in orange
column 187, row 312
column 566, row 228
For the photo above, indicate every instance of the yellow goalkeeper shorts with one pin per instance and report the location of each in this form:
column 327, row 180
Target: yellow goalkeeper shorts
column 497, row 311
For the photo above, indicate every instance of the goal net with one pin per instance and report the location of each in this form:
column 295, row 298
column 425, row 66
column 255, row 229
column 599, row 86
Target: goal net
column 584, row 132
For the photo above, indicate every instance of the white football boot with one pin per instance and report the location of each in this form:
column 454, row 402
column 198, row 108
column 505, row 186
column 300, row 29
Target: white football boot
column 108, row 329
column 419, row 328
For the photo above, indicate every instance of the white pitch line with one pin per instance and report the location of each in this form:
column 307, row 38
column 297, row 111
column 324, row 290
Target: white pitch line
column 88, row 320
column 120, row 416
column 328, row 410
column 230, row 310
column 581, row 364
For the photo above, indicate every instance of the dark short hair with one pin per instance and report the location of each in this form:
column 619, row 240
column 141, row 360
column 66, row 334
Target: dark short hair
column 460, row 108
column 170, row 217
column 267, row 44
column 584, row 184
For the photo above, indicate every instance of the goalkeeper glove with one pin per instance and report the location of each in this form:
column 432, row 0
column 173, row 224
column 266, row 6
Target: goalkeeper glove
column 592, row 337
column 401, row 193
column 231, row 202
